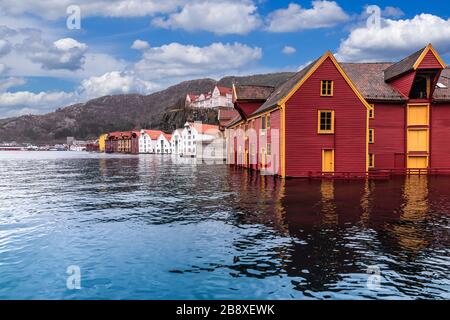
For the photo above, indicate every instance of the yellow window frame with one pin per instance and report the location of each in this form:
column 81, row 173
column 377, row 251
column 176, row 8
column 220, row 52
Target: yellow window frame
column 371, row 160
column 371, row 135
column 372, row 112
column 329, row 88
column 319, row 130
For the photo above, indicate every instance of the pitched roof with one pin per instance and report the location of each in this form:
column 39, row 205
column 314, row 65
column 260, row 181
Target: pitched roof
column 369, row 80
column 403, row 66
column 282, row 90
column 153, row 134
column 202, row 128
column 224, row 90
column 253, row 92
column 443, row 94
column 166, row 135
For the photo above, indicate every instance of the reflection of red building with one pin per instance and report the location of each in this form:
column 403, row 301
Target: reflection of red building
column 135, row 141
column 348, row 118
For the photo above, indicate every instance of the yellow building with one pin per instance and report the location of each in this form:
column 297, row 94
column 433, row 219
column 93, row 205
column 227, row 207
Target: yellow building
column 102, row 142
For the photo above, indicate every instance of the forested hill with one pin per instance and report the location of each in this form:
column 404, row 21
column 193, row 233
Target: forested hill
column 160, row 110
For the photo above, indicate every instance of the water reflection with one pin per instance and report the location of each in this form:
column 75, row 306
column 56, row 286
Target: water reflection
column 162, row 227
column 339, row 228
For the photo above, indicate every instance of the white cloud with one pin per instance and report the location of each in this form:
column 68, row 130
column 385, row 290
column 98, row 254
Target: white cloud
column 140, row 45
column 2, row 68
column 323, row 14
column 10, row 82
column 288, row 50
column 115, row 82
column 393, row 12
column 396, row 39
column 220, row 17
column 176, row 61
column 31, row 99
column 105, row 8
column 5, row 47
column 65, row 53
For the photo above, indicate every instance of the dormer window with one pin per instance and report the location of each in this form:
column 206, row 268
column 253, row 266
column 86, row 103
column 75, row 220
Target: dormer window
column 421, row 87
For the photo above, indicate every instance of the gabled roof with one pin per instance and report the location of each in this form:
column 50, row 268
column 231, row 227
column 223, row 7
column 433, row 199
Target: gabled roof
column 202, row 128
column 224, row 90
column 166, row 135
column 410, row 63
column 284, row 89
column 252, row 92
column 153, row 134
column 403, row 66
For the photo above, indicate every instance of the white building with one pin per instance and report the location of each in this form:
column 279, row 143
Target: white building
column 202, row 141
column 176, row 141
column 219, row 97
column 148, row 141
column 163, row 143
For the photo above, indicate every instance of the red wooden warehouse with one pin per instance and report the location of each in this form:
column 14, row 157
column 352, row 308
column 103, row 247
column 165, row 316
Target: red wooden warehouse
column 346, row 118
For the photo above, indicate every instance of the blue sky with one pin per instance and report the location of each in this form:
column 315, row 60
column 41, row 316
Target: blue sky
column 143, row 46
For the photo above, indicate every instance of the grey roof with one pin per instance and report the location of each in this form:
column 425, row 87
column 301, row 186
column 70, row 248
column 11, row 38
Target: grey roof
column 253, row 92
column 369, row 80
column 281, row 91
column 402, row 66
column 443, row 94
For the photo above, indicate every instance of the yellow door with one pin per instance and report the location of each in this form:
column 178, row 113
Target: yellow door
column 417, row 162
column 328, row 160
column 418, row 140
column 418, row 115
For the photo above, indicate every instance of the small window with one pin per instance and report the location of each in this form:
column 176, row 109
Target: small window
column 371, row 135
column 326, row 88
column 326, row 121
column 263, row 122
column 372, row 111
column 269, row 149
column 371, row 160
column 268, row 121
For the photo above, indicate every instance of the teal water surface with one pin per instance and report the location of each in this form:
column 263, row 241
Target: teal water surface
column 157, row 227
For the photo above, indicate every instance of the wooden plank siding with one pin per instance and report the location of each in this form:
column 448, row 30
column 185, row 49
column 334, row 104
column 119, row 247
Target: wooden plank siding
column 404, row 83
column 430, row 62
column 440, row 136
column 389, row 125
column 303, row 143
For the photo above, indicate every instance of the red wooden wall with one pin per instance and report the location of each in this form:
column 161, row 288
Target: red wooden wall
column 404, row 83
column 440, row 129
column 389, row 125
column 304, row 145
column 430, row 62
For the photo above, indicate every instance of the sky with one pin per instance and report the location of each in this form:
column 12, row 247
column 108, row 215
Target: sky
column 56, row 53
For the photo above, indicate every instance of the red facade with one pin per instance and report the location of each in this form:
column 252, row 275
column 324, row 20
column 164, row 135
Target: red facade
column 408, row 128
column 304, row 145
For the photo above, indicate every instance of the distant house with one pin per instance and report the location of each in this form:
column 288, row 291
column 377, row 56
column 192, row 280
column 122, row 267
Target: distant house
column 163, row 143
column 112, row 142
column 124, row 142
column 196, row 137
column 219, row 97
column 176, row 141
column 102, row 142
column 148, row 140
